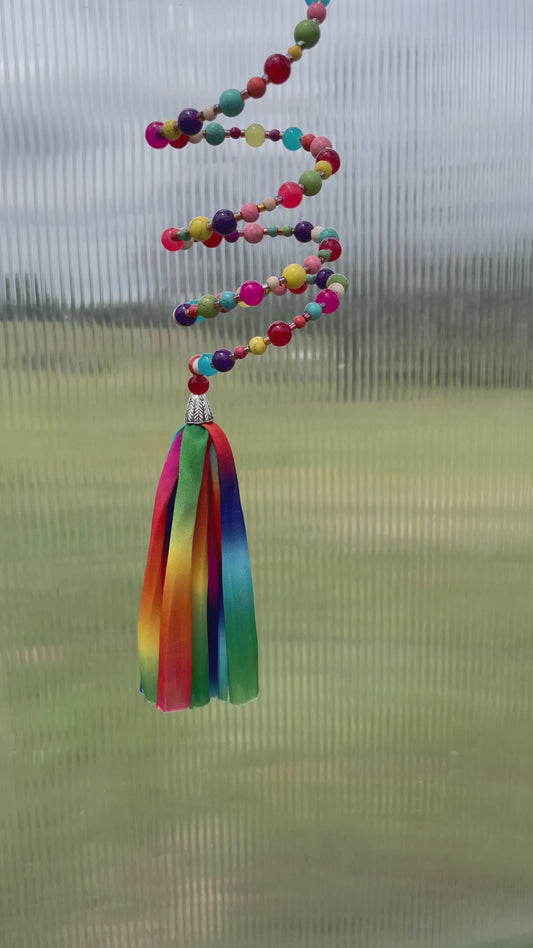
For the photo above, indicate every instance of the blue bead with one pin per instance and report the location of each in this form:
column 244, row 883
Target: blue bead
column 226, row 300
column 328, row 232
column 214, row 134
column 272, row 231
column 204, row 364
column 231, row 102
column 291, row 138
column 314, row 310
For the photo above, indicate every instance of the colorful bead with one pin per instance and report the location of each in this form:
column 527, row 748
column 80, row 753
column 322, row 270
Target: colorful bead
column 280, row 290
column 227, row 300
column 239, row 352
column 231, row 102
column 312, row 264
column 272, row 231
column 286, row 230
column 251, row 293
column 295, row 52
column 189, row 122
column 307, row 141
column 223, row 360
column 269, row 203
column 299, row 322
column 338, row 278
column 332, row 245
column 214, row 134
column 179, row 142
column 274, row 134
column 256, row 87
column 291, row 138
column 154, row 136
column 315, row 234
column 307, row 32
column 207, row 306
column 249, row 212
column 198, row 385
column 224, row 222
column 253, row 233
column 290, row 193
column 329, row 154
column 255, row 135
column 234, row 132
column 337, row 288
column 181, row 316
column 204, row 364
column 311, row 2
column 294, row 276
column 322, row 277
column 196, row 139
column 257, row 345
column 279, row 334
column 170, row 239
column 169, row 130
column 318, row 144
column 273, row 283
column 277, row 68
column 213, row 241
column 328, row 232
column 302, row 231
column 233, row 237
column 329, row 299
column 314, row 310
column 198, row 228
column 324, row 167
column 311, row 182
column 209, row 113
column 317, row 11
column 298, row 290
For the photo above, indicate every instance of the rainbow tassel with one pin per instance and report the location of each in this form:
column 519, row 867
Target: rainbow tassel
column 196, row 630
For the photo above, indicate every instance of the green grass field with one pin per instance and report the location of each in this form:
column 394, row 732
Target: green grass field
column 379, row 792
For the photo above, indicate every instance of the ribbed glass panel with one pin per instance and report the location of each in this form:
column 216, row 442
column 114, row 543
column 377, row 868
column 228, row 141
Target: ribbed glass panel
column 378, row 793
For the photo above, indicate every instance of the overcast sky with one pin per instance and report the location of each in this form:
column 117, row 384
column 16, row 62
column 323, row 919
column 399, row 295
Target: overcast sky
column 429, row 102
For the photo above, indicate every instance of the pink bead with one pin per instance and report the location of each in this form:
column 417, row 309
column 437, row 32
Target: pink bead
column 253, row 233
column 239, row 352
column 318, row 144
column 313, row 264
column 249, row 212
column 330, row 300
column 251, row 293
column 167, row 239
column 280, row 290
column 316, row 11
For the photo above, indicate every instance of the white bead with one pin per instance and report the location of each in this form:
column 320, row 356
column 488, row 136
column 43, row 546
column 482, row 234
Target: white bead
column 315, row 233
column 269, row 204
column 209, row 113
column 273, row 283
column 194, row 139
column 337, row 288
column 186, row 244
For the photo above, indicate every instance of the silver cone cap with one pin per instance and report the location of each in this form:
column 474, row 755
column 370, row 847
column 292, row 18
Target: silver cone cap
column 198, row 411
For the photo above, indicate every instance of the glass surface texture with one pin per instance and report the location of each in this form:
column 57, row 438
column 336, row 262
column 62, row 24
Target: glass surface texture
column 379, row 791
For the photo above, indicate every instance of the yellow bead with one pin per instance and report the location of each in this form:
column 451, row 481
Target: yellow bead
column 255, row 135
column 294, row 276
column 198, row 228
column 295, row 52
column 243, row 304
column 257, row 345
column 324, row 167
column 169, row 131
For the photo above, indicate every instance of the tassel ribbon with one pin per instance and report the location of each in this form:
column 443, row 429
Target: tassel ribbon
column 196, row 631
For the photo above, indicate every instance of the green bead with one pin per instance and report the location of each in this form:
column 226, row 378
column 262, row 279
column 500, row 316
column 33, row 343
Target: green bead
column 311, row 182
column 207, row 306
column 272, row 231
column 307, row 32
column 231, row 102
column 286, row 230
column 338, row 278
column 214, row 133
column 255, row 135
column 324, row 255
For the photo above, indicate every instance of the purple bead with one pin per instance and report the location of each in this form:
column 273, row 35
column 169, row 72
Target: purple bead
column 180, row 315
column 153, row 135
column 189, row 122
column 224, row 222
column 233, row 237
column 302, row 231
column 274, row 135
column 322, row 277
column 222, row 360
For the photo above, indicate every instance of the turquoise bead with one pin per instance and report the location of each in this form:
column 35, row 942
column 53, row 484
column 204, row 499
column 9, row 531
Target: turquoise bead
column 231, row 102
column 204, row 364
column 291, row 138
column 182, row 234
column 328, row 232
column 313, row 309
column 323, row 2
column 226, row 300
column 214, row 134
column 272, row 231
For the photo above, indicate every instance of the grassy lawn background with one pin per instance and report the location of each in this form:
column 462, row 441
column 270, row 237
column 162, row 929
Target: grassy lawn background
column 379, row 791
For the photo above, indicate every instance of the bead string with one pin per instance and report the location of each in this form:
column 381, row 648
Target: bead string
column 223, row 225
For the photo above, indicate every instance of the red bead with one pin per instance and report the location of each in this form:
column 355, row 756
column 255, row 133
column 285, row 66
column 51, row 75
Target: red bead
column 213, row 241
column 179, row 142
column 191, row 360
column 327, row 297
column 278, row 68
column 291, row 194
column 330, row 155
column 198, row 385
column 299, row 289
column 256, row 87
column 239, row 352
column 193, row 310
column 299, row 322
column 279, row 334
column 234, row 132
column 168, row 239
column 305, row 142
column 334, row 247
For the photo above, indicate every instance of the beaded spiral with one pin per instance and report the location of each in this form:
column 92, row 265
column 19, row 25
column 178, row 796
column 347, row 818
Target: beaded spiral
column 197, row 636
